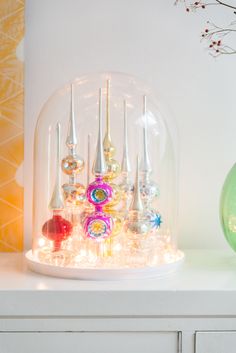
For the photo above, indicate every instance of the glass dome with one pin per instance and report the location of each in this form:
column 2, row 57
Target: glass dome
column 105, row 181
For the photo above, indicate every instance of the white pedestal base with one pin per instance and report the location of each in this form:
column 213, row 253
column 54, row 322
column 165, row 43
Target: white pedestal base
column 102, row 274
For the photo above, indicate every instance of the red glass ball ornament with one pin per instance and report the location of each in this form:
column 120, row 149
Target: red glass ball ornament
column 57, row 229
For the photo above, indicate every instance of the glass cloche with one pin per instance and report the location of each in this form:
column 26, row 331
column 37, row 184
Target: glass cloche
column 105, row 182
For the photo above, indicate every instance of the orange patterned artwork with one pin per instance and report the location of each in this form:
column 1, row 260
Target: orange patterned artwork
column 11, row 124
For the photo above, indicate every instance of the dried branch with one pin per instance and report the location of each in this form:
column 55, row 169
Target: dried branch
column 213, row 34
column 226, row 5
column 204, row 4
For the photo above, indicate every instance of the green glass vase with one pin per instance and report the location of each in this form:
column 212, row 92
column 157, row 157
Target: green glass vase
column 228, row 208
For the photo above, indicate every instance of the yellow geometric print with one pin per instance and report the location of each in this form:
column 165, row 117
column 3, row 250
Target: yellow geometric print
column 11, row 124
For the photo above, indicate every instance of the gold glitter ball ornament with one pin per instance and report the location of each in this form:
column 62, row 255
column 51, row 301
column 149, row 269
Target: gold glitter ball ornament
column 113, row 169
column 74, row 194
column 72, row 164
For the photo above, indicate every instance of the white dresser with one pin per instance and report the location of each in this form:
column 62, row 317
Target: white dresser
column 192, row 311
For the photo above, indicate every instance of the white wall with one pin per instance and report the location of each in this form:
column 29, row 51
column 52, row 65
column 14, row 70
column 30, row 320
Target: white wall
column 160, row 43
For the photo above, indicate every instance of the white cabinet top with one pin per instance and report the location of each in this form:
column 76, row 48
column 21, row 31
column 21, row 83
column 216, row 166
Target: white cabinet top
column 204, row 285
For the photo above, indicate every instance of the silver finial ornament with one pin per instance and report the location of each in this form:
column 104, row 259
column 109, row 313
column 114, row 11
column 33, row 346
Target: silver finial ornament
column 148, row 188
column 99, row 166
column 126, row 184
column 56, row 202
column 88, row 158
column 145, row 162
column 136, row 224
column 125, row 165
column 72, row 164
column 71, row 140
column 136, row 204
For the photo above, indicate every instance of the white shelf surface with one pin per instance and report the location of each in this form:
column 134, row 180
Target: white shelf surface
column 204, row 285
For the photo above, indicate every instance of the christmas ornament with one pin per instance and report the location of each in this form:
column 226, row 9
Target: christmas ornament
column 99, row 225
column 137, row 224
column 148, row 188
column 126, row 185
column 57, row 229
column 72, row 164
column 113, row 167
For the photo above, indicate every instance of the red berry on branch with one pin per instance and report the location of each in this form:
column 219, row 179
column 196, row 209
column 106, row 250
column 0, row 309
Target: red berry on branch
column 203, row 6
column 210, row 46
column 206, row 30
column 196, row 3
column 187, row 9
column 217, row 50
column 214, row 43
column 219, row 42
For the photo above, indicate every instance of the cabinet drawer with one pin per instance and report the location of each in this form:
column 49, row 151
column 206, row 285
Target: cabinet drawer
column 87, row 342
column 216, row 342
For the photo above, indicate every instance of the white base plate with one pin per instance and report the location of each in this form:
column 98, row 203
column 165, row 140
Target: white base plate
column 102, row 274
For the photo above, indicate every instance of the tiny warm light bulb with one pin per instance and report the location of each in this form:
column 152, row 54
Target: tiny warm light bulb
column 41, row 242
